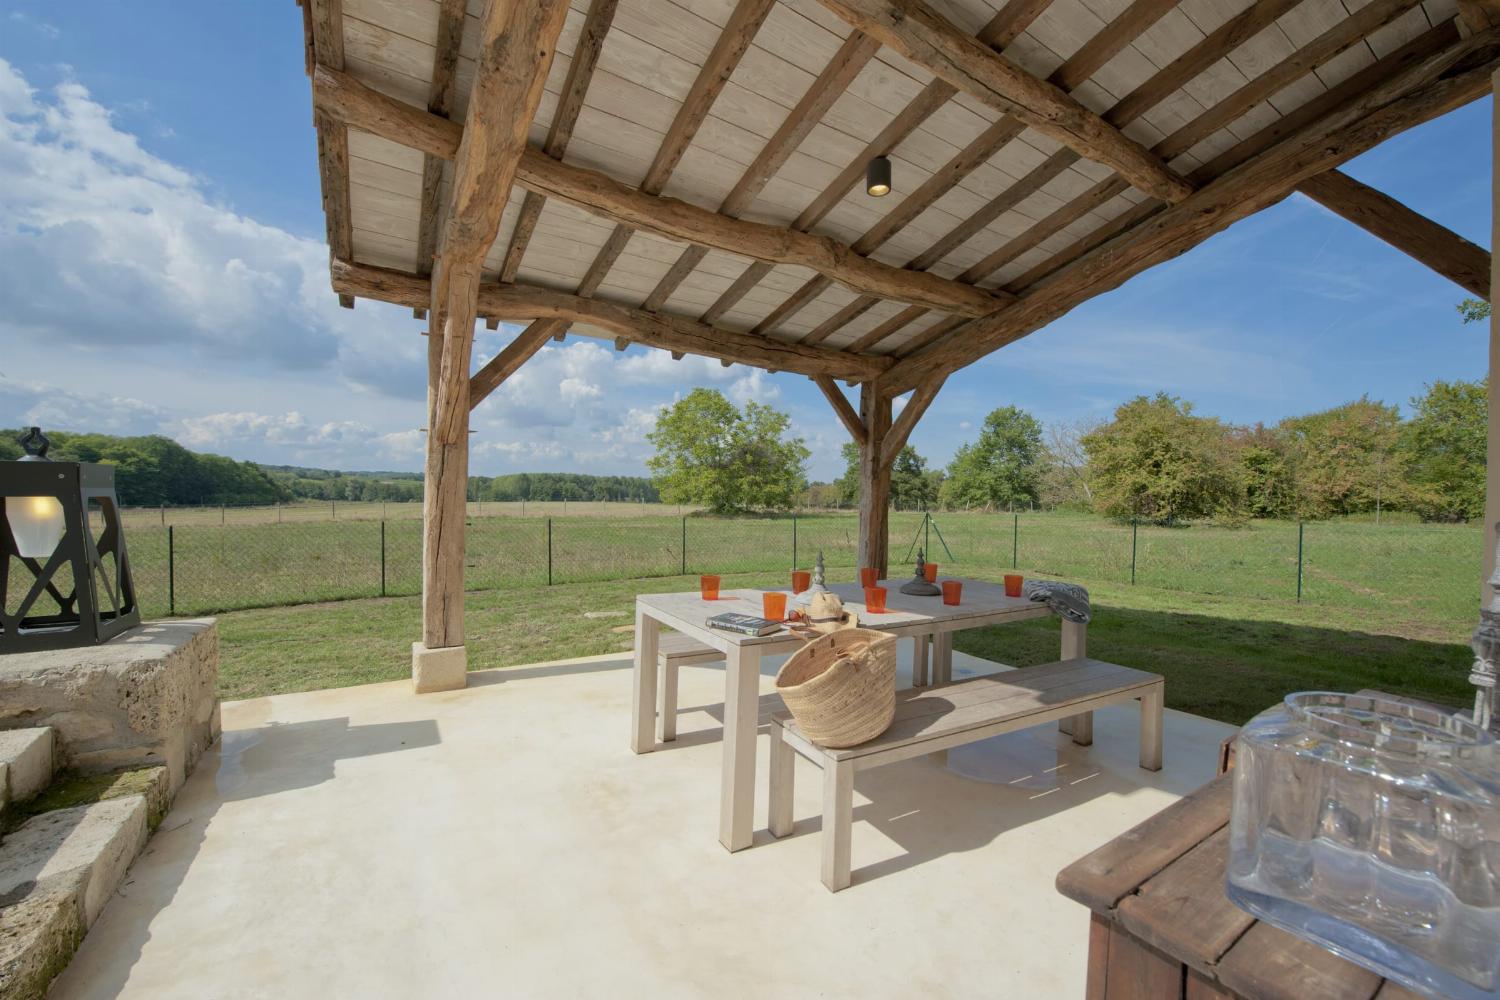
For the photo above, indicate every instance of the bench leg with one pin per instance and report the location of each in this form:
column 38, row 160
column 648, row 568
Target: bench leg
column 1151, row 720
column 838, row 820
column 783, row 778
column 666, row 709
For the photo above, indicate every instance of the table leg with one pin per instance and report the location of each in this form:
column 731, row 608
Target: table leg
column 1151, row 720
column 942, row 657
column 919, row 661
column 741, row 721
column 643, row 687
column 1075, row 645
column 783, row 779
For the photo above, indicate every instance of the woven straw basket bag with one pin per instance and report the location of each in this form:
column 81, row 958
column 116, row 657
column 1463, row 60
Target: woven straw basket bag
column 841, row 687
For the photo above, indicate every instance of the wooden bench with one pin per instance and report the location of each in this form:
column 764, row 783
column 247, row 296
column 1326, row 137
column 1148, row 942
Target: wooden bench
column 673, row 650
column 950, row 715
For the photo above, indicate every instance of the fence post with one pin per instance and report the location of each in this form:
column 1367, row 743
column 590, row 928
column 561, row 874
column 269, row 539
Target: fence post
column 382, row 557
column 1015, row 542
column 1134, row 528
column 1299, row 561
column 549, row 551
column 794, row 541
column 684, row 546
column 221, row 514
column 333, row 506
column 163, row 515
column 171, row 571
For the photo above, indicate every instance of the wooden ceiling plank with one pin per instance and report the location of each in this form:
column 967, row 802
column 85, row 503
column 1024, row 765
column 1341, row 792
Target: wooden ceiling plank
column 932, row 42
column 327, row 22
column 846, row 315
column 1014, row 18
column 590, row 43
column 1415, row 235
column 852, row 56
column 1454, row 77
column 663, row 330
column 884, row 330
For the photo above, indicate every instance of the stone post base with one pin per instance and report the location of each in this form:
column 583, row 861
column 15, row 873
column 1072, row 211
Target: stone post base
column 443, row 669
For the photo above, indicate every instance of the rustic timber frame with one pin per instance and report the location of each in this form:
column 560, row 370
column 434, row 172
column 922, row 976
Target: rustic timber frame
column 689, row 178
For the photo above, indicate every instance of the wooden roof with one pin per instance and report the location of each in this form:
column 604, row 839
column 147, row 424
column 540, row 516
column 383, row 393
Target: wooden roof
column 1110, row 135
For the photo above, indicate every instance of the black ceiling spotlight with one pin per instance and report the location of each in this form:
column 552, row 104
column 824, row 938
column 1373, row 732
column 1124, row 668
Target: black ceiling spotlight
column 878, row 177
column 64, row 577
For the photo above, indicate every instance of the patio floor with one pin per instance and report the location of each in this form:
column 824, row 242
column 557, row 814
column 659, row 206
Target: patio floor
column 503, row 839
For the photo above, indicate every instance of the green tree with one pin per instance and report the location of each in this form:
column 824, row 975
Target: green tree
column 1474, row 310
column 1003, row 468
column 1444, row 444
column 1158, row 460
column 709, row 452
column 912, row 484
column 1270, row 482
column 1345, row 459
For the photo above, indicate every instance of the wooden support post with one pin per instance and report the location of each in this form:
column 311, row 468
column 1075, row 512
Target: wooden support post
column 1492, row 474
column 874, row 479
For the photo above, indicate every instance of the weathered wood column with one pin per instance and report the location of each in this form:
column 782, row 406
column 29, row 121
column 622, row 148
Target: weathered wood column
column 517, row 39
column 874, row 478
column 1492, row 456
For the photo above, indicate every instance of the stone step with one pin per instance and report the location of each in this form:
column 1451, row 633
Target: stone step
column 27, row 762
column 60, row 867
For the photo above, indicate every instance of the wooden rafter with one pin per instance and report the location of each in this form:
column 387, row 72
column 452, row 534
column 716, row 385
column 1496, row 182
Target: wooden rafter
column 326, row 20
column 668, row 332
column 842, row 407
column 851, row 57
column 932, row 42
column 350, row 101
column 1324, row 47
column 1002, row 29
column 731, row 46
column 1480, row 15
column 1422, row 92
column 575, row 88
column 1382, row 216
column 510, row 359
column 440, row 93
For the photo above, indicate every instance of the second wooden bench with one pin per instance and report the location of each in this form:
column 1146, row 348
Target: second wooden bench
column 939, row 718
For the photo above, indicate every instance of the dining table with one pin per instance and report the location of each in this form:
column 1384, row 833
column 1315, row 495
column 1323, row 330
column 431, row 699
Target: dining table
column 928, row 621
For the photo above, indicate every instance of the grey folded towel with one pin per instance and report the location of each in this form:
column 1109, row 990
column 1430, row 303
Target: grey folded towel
column 1067, row 600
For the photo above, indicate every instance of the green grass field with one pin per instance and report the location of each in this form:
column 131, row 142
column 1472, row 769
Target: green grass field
column 1412, row 580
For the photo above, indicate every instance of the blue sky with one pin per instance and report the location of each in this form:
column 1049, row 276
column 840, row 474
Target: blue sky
column 160, row 219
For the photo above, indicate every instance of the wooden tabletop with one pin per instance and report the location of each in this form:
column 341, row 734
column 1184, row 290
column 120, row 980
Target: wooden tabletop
column 1161, row 884
column 980, row 600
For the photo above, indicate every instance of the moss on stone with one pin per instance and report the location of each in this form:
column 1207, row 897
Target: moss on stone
column 70, row 789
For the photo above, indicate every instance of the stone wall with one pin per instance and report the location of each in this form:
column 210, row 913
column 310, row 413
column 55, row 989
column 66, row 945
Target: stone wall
column 148, row 696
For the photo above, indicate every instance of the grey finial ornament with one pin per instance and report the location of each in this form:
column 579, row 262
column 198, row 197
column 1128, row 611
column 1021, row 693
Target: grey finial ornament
column 1486, row 646
column 35, row 444
column 818, row 586
column 918, row 585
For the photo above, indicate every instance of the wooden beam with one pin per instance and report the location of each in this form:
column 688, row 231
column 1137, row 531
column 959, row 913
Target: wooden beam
column 516, row 45
column 874, row 480
column 505, row 364
column 368, row 109
column 575, row 88
column 841, row 406
column 450, row 36
column 663, row 330
column 1480, row 15
column 327, row 24
column 932, row 42
column 1420, row 93
column 1385, row 218
column 851, row 57
column 901, row 430
column 739, row 31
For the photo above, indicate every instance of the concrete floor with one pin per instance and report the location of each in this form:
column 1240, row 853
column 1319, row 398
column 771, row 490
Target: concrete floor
column 502, row 840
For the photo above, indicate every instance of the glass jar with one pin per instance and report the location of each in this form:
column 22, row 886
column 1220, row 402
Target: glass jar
column 1372, row 826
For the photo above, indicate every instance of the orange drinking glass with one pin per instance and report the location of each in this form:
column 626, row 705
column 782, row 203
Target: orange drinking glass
column 801, row 580
column 773, row 605
column 952, row 591
column 875, row 600
column 929, row 570
column 709, row 587
column 1013, row 583
column 869, row 576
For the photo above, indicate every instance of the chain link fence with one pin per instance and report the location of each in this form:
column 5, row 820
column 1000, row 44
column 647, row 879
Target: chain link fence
column 1410, row 570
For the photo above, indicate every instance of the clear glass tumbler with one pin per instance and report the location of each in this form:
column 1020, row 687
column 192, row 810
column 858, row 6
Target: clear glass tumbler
column 1372, row 827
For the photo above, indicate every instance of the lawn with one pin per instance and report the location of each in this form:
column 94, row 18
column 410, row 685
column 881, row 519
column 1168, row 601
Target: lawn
column 1224, row 656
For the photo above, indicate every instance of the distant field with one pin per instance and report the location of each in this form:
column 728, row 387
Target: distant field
column 307, row 511
column 1413, row 580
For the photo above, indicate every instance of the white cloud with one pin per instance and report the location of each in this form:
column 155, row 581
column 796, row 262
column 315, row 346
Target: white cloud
column 754, row 386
